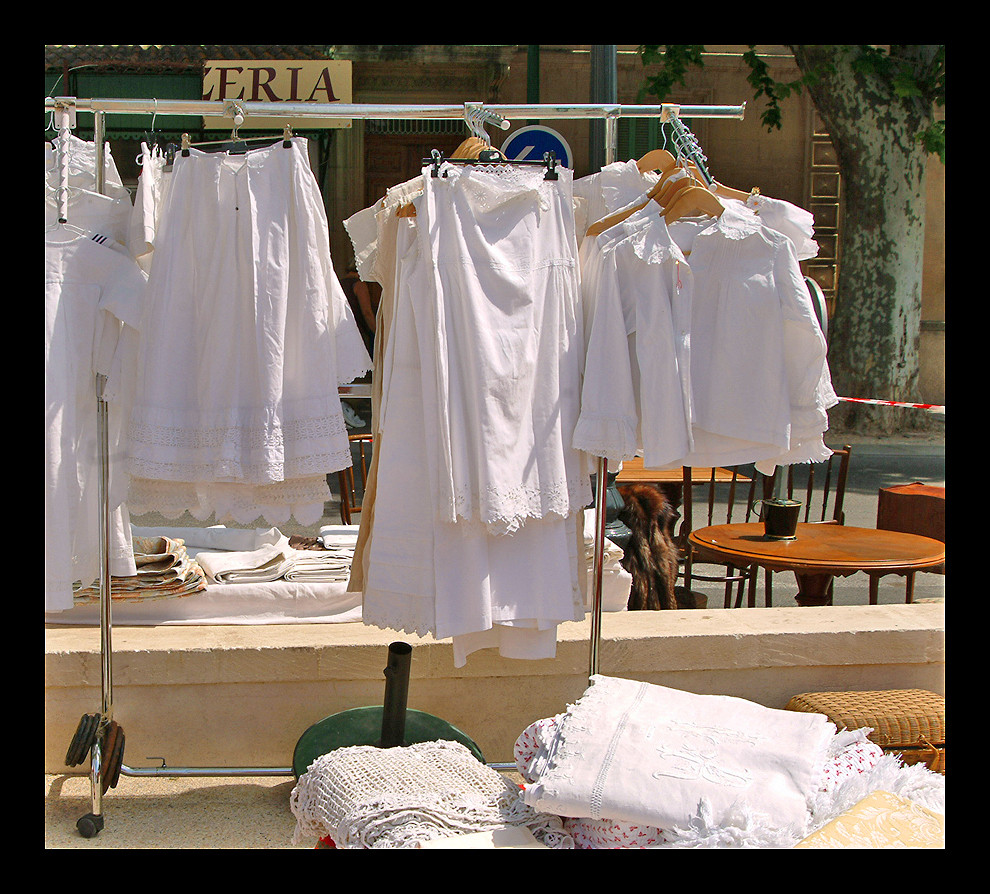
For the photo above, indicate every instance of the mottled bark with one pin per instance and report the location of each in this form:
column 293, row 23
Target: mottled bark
column 876, row 327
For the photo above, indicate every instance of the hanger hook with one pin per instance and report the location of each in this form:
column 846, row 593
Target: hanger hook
column 234, row 111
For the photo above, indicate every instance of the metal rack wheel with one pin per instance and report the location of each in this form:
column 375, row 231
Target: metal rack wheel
column 89, row 825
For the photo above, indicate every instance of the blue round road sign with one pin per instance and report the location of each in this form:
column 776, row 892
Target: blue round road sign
column 532, row 142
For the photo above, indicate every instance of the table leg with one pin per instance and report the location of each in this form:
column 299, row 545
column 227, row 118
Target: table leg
column 812, row 589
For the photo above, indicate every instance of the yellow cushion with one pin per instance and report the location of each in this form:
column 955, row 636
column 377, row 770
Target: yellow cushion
column 881, row 820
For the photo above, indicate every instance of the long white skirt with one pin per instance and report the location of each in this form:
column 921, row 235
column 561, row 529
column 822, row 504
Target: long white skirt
column 247, row 336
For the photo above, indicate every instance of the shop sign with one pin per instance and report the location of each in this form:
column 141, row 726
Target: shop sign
column 278, row 80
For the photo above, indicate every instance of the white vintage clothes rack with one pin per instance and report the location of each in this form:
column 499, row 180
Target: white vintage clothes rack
column 476, row 115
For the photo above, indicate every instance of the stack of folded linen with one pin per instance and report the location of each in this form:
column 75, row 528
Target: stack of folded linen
column 273, row 556
column 633, row 764
column 268, row 562
column 164, row 569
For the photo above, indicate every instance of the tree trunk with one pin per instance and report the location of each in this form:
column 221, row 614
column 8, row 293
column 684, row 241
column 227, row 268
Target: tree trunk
column 876, row 327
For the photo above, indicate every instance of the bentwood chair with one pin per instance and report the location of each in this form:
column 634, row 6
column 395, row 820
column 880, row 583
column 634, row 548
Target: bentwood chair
column 350, row 494
column 821, row 487
column 728, row 495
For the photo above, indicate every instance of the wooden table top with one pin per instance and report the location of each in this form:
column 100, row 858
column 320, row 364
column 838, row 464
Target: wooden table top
column 633, row 472
column 818, row 548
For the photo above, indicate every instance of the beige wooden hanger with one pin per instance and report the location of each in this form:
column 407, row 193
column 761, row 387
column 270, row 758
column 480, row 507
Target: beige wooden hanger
column 720, row 189
column 694, row 200
column 472, row 147
column 656, row 160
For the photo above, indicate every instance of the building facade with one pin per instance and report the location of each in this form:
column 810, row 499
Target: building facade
column 356, row 163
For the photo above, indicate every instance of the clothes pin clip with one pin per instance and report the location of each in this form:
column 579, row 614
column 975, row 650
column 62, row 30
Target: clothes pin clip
column 551, row 159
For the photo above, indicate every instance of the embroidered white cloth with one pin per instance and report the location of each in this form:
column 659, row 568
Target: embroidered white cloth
column 851, row 757
column 368, row 797
column 641, row 753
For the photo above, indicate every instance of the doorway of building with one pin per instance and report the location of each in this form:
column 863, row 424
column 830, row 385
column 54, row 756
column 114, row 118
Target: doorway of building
column 394, row 158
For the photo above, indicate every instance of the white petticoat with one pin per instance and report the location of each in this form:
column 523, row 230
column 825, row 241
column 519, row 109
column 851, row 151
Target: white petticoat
column 246, row 338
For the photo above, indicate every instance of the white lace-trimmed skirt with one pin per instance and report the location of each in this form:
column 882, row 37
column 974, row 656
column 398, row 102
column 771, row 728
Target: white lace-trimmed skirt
column 246, row 337
column 507, row 305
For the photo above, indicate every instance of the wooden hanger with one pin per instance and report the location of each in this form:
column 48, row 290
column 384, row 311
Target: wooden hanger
column 692, row 201
column 670, row 188
column 612, row 219
column 720, row 189
column 472, row 147
column 656, row 160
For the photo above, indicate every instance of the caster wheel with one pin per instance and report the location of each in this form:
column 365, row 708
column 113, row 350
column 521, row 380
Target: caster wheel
column 89, row 825
column 83, row 740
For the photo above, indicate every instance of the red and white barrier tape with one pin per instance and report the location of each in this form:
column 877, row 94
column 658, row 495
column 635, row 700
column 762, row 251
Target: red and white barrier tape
column 931, row 408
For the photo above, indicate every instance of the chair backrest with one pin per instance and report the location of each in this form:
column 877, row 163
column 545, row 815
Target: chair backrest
column 726, row 495
column 350, row 495
column 820, row 486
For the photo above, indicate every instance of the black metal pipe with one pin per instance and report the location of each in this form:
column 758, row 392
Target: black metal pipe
column 396, row 694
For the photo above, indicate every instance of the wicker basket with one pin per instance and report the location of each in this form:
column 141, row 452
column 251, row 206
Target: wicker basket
column 908, row 722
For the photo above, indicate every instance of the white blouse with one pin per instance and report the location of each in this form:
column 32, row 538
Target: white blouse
column 749, row 370
column 760, row 381
column 636, row 396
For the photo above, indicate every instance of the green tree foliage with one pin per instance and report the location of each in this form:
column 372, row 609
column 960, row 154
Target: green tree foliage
column 909, row 75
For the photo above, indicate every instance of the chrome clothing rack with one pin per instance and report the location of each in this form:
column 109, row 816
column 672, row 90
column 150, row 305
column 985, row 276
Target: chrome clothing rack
column 476, row 115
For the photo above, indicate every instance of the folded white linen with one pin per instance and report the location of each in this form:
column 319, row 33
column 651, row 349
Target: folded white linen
column 267, row 563
column 637, row 752
column 320, row 565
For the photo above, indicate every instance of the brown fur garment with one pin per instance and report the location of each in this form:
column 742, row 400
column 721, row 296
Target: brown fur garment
column 650, row 555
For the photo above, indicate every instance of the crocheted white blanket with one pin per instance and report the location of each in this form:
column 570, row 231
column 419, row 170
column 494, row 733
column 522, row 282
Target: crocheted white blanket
column 368, row 797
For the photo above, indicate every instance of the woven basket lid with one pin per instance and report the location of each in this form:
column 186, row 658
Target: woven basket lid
column 897, row 716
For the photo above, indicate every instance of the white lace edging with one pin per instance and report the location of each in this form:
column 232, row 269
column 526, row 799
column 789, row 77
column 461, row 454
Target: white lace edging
column 303, row 499
column 506, row 510
column 615, row 439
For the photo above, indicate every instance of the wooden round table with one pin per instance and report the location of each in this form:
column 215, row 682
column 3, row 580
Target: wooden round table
column 818, row 553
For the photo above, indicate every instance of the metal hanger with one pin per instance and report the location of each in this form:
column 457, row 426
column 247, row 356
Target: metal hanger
column 235, row 144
